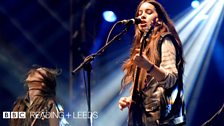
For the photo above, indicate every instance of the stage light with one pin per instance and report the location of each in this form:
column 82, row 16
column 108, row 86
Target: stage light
column 109, row 16
column 198, row 33
column 195, row 3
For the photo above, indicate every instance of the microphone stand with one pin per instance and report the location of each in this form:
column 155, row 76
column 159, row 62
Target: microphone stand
column 86, row 64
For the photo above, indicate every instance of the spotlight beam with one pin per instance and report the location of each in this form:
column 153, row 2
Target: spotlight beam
column 186, row 18
column 189, row 28
column 195, row 59
column 200, row 59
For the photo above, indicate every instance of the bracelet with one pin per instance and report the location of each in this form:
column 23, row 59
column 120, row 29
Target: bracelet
column 151, row 69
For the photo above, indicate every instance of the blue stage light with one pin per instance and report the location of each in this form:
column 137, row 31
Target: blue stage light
column 109, row 16
column 195, row 3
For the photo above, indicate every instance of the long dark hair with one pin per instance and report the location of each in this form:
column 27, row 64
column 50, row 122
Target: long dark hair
column 46, row 99
column 166, row 25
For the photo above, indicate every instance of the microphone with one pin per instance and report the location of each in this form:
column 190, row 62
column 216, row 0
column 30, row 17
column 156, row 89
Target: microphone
column 135, row 20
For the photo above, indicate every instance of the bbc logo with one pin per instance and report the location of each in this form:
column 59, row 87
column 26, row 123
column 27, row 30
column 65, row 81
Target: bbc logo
column 14, row 115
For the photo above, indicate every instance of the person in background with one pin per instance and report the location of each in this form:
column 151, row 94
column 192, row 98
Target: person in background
column 39, row 100
column 160, row 86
